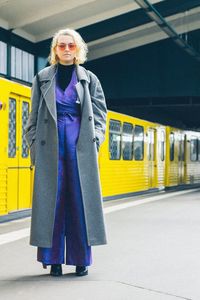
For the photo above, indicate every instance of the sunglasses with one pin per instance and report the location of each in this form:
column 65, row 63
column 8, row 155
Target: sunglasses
column 71, row 46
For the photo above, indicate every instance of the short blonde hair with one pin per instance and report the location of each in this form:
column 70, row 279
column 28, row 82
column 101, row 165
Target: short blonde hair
column 81, row 50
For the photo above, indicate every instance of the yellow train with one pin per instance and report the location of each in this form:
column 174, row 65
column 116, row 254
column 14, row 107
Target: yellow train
column 136, row 156
column 139, row 156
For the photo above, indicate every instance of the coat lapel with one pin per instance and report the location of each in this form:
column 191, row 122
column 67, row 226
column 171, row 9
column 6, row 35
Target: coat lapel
column 81, row 75
column 48, row 86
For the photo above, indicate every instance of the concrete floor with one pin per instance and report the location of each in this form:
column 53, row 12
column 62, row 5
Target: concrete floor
column 152, row 254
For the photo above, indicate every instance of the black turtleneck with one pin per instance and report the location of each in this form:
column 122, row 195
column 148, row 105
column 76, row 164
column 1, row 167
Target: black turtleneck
column 64, row 75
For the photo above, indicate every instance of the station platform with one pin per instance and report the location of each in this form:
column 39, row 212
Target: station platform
column 153, row 253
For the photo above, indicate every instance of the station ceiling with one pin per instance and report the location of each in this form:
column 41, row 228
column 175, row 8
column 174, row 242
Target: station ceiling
column 113, row 26
column 109, row 27
column 38, row 20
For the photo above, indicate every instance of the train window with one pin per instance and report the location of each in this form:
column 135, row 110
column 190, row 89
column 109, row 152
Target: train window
column 115, row 139
column 162, row 146
column 193, row 149
column 171, row 146
column 127, row 141
column 184, row 147
column 12, row 128
column 22, row 64
column 25, row 111
column 3, row 58
column 181, row 148
column 198, row 149
column 151, row 145
column 139, row 143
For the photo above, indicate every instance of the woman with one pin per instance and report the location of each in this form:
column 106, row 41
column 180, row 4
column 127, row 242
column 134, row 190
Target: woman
column 65, row 129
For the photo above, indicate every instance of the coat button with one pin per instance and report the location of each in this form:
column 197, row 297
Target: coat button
column 94, row 139
column 43, row 143
column 90, row 118
column 45, row 120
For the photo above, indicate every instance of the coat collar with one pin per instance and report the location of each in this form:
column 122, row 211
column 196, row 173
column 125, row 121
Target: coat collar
column 52, row 70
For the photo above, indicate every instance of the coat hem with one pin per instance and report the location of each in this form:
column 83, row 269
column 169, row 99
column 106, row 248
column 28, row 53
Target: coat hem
column 96, row 243
column 37, row 244
column 91, row 243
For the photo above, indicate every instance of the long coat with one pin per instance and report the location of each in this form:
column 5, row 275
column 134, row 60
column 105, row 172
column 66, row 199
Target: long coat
column 42, row 137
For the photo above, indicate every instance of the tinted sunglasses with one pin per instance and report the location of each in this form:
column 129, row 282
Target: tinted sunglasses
column 71, row 46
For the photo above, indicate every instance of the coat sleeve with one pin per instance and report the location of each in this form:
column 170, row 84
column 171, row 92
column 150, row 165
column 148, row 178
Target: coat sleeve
column 30, row 128
column 99, row 108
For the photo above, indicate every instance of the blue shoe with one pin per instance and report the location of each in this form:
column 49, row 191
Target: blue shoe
column 81, row 270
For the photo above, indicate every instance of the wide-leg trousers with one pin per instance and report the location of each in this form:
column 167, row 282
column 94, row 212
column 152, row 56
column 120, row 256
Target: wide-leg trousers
column 69, row 235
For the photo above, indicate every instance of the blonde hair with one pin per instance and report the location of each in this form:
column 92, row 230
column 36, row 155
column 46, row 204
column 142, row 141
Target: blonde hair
column 81, row 46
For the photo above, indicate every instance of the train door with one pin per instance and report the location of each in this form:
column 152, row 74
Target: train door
column 19, row 192
column 181, row 158
column 152, row 157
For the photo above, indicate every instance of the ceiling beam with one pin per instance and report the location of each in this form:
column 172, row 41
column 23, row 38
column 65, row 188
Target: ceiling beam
column 99, row 13
column 142, row 35
column 167, row 28
column 44, row 13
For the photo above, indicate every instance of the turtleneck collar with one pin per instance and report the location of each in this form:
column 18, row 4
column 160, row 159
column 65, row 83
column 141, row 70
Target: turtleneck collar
column 64, row 75
column 65, row 67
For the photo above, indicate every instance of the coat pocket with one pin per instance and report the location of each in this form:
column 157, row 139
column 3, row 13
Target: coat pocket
column 32, row 153
column 97, row 144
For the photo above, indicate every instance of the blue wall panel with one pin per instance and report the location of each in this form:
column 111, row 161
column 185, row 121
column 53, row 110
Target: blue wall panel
column 160, row 69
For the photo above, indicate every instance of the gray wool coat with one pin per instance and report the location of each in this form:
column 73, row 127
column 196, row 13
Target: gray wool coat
column 42, row 137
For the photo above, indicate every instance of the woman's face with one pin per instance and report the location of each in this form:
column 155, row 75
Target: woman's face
column 65, row 49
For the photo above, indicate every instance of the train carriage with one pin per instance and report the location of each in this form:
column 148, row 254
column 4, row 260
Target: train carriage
column 192, row 161
column 183, row 157
column 132, row 158
column 15, row 175
column 175, row 159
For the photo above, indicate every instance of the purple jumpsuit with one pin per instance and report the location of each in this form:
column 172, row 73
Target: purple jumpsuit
column 69, row 225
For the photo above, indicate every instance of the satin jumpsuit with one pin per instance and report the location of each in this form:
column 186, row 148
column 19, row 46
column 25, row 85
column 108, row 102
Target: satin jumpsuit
column 69, row 234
